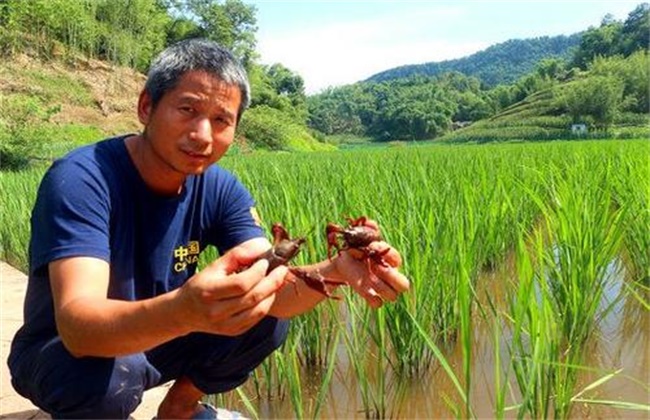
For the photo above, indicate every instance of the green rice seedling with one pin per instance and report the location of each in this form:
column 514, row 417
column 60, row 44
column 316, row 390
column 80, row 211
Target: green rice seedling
column 453, row 212
column 327, row 378
column 533, row 343
column 222, row 400
column 264, row 378
column 292, row 374
column 369, row 358
column 287, row 373
column 16, row 202
column 500, row 386
column 439, row 355
column 633, row 191
column 356, row 347
column 585, row 235
column 579, row 399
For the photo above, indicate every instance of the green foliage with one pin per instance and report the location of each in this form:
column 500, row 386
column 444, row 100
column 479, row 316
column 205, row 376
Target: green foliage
column 409, row 109
column 127, row 32
column 28, row 135
column 53, row 87
column 276, row 118
column 130, row 32
column 597, row 97
column 398, row 104
column 231, row 23
column 559, row 212
column 278, row 87
column 611, row 97
column 635, row 31
column 494, row 65
column 597, row 42
column 633, row 72
column 508, row 133
column 268, row 128
column 615, row 37
column 340, row 110
column 20, row 122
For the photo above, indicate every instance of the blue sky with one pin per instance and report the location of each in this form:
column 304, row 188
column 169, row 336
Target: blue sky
column 332, row 43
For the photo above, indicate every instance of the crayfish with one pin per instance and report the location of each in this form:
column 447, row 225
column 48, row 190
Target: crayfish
column 358, row 236
column 284, row 249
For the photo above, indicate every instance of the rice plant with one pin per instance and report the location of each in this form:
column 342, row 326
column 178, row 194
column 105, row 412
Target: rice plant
column 564, row 214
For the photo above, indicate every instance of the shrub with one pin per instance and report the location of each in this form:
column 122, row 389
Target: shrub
column 268, row 128
column 20, row 117
column 27, row 134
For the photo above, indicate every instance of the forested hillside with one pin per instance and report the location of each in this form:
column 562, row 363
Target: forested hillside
column 502, row 63
column 604, row 85
column 71, row 68
column 59, row 42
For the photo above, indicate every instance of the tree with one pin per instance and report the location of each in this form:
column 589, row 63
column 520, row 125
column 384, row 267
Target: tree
column 278, row 87
column 182, row 28
column 595, row 42
column 551, row 68
column 231, row 24
column 633, row 72
column 635, row 33
column 614, row 37
column 501, row 97
column 597, row 97
column 131, row 31
column 338, row 111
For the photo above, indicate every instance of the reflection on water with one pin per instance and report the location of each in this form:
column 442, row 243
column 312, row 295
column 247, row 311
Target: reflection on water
column 621, row 341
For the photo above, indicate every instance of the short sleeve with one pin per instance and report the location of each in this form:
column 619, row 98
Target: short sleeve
column 232, row 212
column 71, row 216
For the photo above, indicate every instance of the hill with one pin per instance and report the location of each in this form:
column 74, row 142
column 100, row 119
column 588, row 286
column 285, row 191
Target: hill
column 87, row 92
column 49, row 107
column 501, row 63
column 591, row 105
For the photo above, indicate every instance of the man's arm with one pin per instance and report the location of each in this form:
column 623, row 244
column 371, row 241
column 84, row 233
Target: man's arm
column 220, row 299
column 374, row 282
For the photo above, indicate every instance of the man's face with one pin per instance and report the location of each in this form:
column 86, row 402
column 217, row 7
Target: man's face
column 192, row 125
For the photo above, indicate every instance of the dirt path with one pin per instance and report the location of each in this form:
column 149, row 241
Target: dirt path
column 13, row 284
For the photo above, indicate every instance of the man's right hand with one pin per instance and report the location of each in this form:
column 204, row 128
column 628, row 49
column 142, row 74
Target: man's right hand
column 232, row 294
column 228, row 297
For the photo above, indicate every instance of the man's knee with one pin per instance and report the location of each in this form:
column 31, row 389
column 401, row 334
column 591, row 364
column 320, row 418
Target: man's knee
column 220, row 374
column 88, row 387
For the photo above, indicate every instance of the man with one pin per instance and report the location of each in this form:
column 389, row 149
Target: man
column 114, row 305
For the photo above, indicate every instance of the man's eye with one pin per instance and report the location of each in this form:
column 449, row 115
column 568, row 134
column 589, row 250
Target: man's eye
column 222, row 120
column 187, row 109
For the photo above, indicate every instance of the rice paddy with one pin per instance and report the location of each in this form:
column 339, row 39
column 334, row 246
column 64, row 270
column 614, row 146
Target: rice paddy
column 530, row 271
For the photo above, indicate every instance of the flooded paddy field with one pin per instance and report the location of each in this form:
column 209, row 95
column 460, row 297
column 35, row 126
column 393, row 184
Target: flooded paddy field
column 618, row 354
column 530, row 281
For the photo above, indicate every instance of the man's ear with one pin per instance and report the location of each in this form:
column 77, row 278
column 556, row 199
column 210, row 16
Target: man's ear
column 145, row 107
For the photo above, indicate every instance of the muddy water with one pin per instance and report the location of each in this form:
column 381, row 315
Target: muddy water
column 622, row 341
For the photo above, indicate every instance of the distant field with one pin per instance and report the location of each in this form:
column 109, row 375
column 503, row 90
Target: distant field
column 526, row 260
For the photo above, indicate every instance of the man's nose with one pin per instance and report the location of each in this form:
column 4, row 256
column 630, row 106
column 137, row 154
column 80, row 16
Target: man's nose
column 202, row 130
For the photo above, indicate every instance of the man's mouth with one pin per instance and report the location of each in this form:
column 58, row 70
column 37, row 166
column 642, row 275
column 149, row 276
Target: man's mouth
column 196, row 155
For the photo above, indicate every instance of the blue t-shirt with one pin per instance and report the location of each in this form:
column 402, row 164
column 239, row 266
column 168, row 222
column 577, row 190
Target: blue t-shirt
column 94, row 203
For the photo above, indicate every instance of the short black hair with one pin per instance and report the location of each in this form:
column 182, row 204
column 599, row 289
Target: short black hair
column 196, row 54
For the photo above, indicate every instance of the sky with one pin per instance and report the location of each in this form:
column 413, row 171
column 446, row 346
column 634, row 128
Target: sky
column 334, row 43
